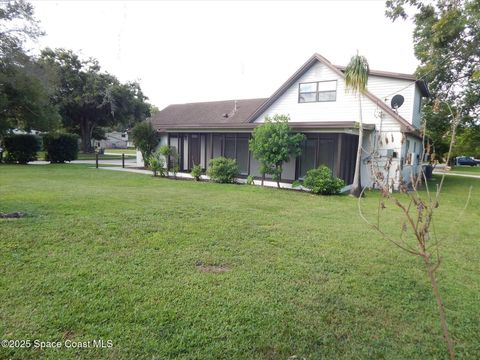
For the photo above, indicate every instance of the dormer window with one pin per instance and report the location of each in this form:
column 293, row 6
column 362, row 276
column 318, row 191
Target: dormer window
column 318, row 91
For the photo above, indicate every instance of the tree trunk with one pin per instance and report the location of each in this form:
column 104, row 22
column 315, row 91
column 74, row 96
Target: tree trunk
column 86, row 134
column 278, row 174
column 263, row 178
column 356, row 189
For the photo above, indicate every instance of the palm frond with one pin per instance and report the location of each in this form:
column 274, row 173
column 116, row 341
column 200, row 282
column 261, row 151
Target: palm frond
column 356, row 74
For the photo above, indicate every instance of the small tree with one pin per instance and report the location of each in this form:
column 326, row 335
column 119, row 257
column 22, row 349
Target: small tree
column 273, row 143
column 196, row 172
column 356, row 79
column 145, row 139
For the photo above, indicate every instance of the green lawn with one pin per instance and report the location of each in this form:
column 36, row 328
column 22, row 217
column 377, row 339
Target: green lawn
column 466, row 169
column 125, row 257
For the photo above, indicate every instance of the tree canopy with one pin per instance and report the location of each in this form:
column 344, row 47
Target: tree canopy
column 24, row 88
column 447, row 44
column 88, row 98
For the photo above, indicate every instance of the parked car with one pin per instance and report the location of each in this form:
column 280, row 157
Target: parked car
column 464, row 160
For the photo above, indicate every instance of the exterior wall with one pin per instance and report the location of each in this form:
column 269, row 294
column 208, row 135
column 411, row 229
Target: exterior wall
column 412, row 162
column 386, row 88
column 140, row 162
column 345, row 108
column 417, row 113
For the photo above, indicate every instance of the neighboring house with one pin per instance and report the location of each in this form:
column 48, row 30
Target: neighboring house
column 319, row 106
column 114, row 140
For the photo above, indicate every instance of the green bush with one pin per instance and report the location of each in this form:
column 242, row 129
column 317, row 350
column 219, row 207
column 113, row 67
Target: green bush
column 196, row 172
column 157, row 165
column 21, row 148
column 60, row 147
column 296, row 184
column 250, row 180
column 321, row 181
column 222, row 170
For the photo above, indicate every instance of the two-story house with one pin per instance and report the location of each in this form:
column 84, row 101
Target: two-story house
column 319, row 106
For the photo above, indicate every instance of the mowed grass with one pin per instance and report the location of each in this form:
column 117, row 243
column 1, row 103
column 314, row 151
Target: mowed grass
column 474, row 170
column 115, row 256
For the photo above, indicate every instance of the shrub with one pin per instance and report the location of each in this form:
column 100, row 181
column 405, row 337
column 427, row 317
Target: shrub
column 196, row 172
column 60, row 147
column 222, row 170
column 21, row 148
column 321, row 181
column 145, row 138
column 296, row 184
column 157, row 165
column 250, row 180
column 169, row 152
column 165, row 150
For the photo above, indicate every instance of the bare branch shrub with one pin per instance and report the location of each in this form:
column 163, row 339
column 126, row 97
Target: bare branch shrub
column 416, row 212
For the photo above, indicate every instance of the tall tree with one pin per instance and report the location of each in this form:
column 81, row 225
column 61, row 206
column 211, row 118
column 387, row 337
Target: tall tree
column 356, row 79
column 447, row 44
column 24, row 85
column 88, row 98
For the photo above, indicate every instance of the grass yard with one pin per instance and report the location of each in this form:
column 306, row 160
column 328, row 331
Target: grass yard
column 177, row 269
column 474, row 170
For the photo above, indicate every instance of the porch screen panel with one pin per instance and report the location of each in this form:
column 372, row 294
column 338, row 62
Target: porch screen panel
column 326, row 153
column 307, row 159
column 185, row 152
column 229, row 147
column 174, row 144
column 242, row 154
column 203, row 148
column 217, row 146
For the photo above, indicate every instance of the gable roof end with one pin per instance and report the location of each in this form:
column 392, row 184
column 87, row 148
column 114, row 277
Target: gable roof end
column 303, row 69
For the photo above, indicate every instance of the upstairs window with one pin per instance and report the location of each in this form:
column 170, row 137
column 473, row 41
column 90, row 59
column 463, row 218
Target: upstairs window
column 319, row 91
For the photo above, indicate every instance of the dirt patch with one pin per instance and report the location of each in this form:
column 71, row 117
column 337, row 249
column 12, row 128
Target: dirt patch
column 212, row 268
column 14, row 215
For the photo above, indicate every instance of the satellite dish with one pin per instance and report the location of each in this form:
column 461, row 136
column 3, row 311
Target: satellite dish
column 397, row 101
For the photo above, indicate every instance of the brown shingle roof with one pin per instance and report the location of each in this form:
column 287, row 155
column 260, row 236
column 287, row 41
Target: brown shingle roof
column 206, row 113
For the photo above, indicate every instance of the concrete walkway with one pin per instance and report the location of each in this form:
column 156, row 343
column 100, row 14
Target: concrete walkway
column 181, row 175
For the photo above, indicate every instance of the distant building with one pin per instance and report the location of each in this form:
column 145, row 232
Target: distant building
column 114, row 140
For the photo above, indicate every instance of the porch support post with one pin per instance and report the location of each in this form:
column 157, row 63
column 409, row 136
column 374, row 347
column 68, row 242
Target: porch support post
column 210, row 155
column 338, row 159
column 249, row 154
column 168, row 157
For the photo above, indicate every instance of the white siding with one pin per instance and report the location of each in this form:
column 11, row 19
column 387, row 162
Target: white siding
column 387, row 88
column 417, row 104
column 345, row 108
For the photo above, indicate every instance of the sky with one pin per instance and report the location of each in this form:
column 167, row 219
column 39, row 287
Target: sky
column 189, row 51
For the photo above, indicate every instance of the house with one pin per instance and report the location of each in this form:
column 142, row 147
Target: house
column 113, row 140
column 319, row 106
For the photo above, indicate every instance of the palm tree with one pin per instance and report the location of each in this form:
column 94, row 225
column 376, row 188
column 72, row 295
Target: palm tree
column 356, row 79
